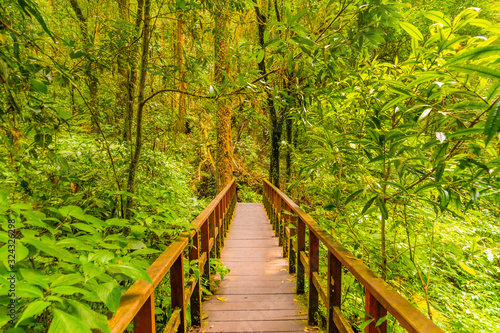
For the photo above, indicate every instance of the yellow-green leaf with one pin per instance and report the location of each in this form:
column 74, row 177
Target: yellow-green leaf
column 412, row 30
column 467, row 269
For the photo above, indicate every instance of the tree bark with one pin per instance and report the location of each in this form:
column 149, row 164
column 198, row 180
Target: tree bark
column 132, row 78
column 140, row 107
column 179, row 54
column 122, row 64
column 92, row 82
column 275, row 118
column 224, row 157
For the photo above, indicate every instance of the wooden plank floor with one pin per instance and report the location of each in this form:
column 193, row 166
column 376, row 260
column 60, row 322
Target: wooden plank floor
column 258, row 294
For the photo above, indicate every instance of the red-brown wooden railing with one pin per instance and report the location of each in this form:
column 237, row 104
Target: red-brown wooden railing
column 379, row 296
column 202, row 242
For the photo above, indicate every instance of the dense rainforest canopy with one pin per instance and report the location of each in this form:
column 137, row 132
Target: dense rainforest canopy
column 120, row 120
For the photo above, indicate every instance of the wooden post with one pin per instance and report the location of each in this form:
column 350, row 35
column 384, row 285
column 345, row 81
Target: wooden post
column 218, row 223
column 334, row 289
column 144, row 321
column 177, row 290
column 301, row 246
column 291, row 249
column 205, row 243
column 377, row 311
column 271, row 206
column 280, row 223
column 211, row 219
column 195, row 301
column 286, row 221
column 313, row 267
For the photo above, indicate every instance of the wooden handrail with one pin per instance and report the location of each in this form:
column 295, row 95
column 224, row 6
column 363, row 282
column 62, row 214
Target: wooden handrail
column 379, row 296
column 206, row 236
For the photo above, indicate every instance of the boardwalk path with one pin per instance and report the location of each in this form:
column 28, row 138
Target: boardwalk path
column 259, row 290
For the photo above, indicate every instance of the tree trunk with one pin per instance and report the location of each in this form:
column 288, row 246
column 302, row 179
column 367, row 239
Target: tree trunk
column 92, row 82
column 289, row 139
column 140, row 107
column 224, row 157
column 122, row 65
column 132, row 78
column 179, row 54
column 275, row 118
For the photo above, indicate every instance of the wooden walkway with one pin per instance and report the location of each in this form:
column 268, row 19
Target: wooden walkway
column 258, row 294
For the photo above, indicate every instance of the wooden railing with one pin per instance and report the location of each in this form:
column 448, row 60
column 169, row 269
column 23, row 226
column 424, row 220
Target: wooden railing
column 379, row 296
column 202, row 242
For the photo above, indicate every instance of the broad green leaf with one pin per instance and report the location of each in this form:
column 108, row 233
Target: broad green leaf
column 4, row 320
column 144, row 252
column 32, row 310
column 28, row 291
column 465, row 131
column 85, row 227
column 68, row 210
column 438, row 17
column 67, row 280
column 477, row 53
column 89, row 317
column 131, row 271
column 74, row 243
column 303, row 40
column 109, row 293
column 330, row 207
column 412, row 30
column 493, row 90
column 428, row 186
column 440, row 170
column 51, row 250
column 393, row 184
column 492, row 125
column 63, row 322
column 37, row 85
column 368, row 204
column 260, row 56
column 64, row 115
column 69, row 290
column 481, row 23
column 482, row 71
column 352, row 196
column 299, row 15
column 381, row 320
column 382, row 207
column 365, row 323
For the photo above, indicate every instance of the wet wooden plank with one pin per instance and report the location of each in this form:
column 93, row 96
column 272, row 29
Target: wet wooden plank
column 288, row 326
column 258, row 295
column 218, row 316
column 210, row 308
column 249, row 298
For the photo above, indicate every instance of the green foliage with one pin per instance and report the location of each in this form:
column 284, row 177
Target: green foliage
column 403, row 164
column 392, row 110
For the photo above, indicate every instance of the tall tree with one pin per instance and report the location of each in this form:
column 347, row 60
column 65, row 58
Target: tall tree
column 131, row 78
column 92, row 81
column 140, row 105
column 222, row 74
column 179, row 55
column 276, row 119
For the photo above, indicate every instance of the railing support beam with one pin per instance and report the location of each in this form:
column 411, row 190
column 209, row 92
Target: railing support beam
column 313, row 267
column 177, row 290
column 301, row 246
column 144, row 321
column 195, row 301
column 376, row 311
